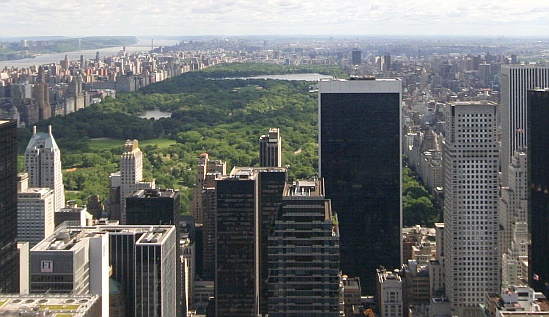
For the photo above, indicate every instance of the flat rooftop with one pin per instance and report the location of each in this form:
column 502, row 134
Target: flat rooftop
column 313, row 187
column 73, row 237
column 251, row 172
column 153, row 193
column 47, row 304
column 34, row 192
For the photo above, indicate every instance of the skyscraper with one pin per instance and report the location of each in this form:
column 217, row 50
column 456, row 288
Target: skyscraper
column 9, row 264
column 304, row 254
column 131, row 172
column 128, row 179
column 43, row 164
column 153, row 207
column 203, row 210
column 158, row 207
column 356, row 57
column 35, row 214
column 471, row 160
column 270, row 149
column 360, row 161
column 270, row 183
column 206, row 172
column 246, row 202
column 142, row 259
column 236, row 274
column 538, row 177
column 515, row 81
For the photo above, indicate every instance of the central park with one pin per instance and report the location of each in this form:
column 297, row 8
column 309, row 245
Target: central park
column 214, row 110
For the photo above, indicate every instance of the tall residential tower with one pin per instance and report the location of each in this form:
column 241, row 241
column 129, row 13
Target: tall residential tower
column 471, row 161
column 127, row 180
column 43, row 164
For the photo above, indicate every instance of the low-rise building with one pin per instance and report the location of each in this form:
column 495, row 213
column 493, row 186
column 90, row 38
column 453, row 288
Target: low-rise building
column 389, row 294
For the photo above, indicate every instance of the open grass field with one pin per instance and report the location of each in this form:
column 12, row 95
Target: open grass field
column 103, row 143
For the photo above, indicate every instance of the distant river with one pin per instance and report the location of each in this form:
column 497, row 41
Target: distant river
column 156, row 114
column 141, row 46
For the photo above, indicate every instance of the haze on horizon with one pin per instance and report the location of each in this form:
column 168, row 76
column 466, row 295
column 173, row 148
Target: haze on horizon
column 497, row 18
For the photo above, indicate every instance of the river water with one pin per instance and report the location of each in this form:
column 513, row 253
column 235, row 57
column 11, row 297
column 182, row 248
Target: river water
column 140, row 46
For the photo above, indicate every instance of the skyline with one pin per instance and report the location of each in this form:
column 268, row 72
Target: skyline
column 274, row 17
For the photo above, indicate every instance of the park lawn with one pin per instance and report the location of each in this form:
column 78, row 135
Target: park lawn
column 103, row 143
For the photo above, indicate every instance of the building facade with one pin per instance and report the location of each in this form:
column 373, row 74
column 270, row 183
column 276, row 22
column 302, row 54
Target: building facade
column 246, row 203
column 128, row 179
column 156, row 289
column 237, row 252
column 158, row 207
column 270, row 149
column 35, row 213
column 361, row 164
column 43, row 164
column 471, row 161
column 389, row 294
column 538, row 177
column 304, row 254
column 9, row 266
column 516, row 79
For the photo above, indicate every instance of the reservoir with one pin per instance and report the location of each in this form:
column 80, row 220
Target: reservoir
column 155, row 114
column 304, row 77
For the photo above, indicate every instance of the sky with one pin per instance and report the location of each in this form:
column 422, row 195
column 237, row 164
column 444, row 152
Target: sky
column 509, row 18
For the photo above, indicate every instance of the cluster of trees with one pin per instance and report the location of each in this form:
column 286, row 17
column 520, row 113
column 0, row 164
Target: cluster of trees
column 419, row 207
column 223, row 117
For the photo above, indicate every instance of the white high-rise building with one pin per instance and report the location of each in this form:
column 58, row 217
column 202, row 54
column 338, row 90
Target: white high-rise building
column 515, row 82
column 35, row 214
column 43, row 164
column 131, row 175
column 471, row 163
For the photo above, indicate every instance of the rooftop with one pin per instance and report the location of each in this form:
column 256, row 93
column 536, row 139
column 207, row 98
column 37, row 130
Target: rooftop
column 34, row 192
column 44, row 140
column 251, row 172
column 154, row 193
column 47, row 304
column 310, row 187
column 73, row 237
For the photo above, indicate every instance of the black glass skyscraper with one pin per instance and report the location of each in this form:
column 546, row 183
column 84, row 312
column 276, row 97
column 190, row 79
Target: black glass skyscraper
column 158, row 207
column 9, row 256
column 246, row 205
column 236, row 273
column 538, row 180
column 360, row 161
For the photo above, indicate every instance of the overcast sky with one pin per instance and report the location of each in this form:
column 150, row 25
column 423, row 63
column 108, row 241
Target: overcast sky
column 273, row 17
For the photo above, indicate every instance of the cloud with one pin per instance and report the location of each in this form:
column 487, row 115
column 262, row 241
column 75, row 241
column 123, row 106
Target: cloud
column 196, row 17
